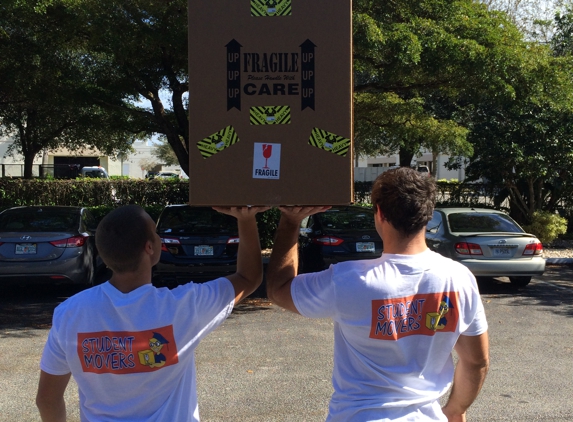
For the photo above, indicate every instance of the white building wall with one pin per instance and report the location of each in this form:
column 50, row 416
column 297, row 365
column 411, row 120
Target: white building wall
column 143, row 152
column 130, row 166
column 13, row 165
column 370, row 167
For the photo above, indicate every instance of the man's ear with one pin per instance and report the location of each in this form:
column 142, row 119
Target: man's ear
column 379, row 213
column 149, row 248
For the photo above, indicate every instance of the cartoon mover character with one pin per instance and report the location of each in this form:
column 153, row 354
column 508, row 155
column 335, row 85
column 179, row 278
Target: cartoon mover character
column 437, row 320
column 154, row 358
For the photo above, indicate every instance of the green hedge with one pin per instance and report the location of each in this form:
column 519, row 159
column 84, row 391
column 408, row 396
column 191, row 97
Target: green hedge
column 103, row 195
column 92, row 192
column 160, row 192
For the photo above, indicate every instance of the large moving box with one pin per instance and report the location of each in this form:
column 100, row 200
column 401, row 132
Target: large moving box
column 270, row 102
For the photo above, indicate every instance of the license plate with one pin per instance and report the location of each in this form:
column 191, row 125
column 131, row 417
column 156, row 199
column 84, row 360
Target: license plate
column 25, row 248
column 502, row 252
column 203, row 250
column 365, row 247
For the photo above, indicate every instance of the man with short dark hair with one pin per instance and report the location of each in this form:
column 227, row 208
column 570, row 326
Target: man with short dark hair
column 130, row 346
column 397, row 318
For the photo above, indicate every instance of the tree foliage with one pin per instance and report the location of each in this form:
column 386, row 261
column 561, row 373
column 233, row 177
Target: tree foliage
column 45, row 99
column 137, row 54
column 526, row 142
column 164, row 153
column 411, row 57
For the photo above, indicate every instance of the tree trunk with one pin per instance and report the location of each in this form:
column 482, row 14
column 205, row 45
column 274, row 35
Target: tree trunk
column 180, row 151
column 172, row 131
column 406, row 157
column 29, row 164
column 434, row 169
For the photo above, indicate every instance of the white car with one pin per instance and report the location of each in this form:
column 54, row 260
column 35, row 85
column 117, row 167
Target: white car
column 97, row 172
column 489, row 242
column 166, row 175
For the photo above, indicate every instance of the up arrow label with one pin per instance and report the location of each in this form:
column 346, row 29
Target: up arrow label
column 307, row 73
column 233, row 75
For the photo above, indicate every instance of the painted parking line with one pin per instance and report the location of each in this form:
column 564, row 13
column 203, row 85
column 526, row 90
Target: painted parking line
column 553, row 284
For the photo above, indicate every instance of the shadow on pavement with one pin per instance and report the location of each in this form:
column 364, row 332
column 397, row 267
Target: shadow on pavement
column 251, row 304
column 31, row 307
column 553, row 290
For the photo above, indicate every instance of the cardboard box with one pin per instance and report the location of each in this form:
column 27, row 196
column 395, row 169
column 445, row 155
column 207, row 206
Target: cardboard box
column 270, row 102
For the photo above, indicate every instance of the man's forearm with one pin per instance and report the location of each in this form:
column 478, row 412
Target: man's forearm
column 283, row 265
column 284, row 258
column 55, row 412
column 249, row 263
column 468, row 380
column 50, row 397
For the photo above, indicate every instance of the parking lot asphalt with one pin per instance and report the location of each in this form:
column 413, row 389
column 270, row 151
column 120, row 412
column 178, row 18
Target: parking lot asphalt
column 266, row 364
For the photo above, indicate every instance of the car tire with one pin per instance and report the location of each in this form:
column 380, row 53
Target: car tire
column 485, row 281
column 520, row 281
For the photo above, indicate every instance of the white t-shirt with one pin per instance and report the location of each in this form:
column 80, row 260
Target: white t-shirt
column 396, row 321
column 132, row 355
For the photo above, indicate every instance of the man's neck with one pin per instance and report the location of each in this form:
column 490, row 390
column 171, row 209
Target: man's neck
column 394, row 243
column 128, row 282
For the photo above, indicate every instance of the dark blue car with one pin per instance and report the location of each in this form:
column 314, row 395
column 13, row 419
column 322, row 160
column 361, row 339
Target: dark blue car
column 342, row 233
column 198, row 244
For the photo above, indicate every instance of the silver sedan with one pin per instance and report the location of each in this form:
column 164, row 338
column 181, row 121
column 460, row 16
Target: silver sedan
column 489, row 242
column 50, row 244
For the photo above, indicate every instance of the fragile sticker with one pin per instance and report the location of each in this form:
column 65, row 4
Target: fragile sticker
column 261, row 8
column 217, row 142
column 270, row 115
column 331, row 142
column 267, row 161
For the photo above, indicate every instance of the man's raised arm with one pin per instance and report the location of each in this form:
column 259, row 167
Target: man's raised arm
column 249, row 274
column 283, row 264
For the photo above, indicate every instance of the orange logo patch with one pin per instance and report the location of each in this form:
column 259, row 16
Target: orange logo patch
column 423, row 314
column 126, row 352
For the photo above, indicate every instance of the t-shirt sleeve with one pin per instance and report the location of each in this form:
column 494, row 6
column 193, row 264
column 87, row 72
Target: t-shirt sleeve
column 479, row 323
column 53, row 359
column 314, row 294
column 214, row 302
column 476, row 322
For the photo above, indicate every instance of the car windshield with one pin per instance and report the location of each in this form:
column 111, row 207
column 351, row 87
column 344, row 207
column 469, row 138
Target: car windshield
column 482, row 223
column 38, row 221
column 348, row 219
column 196, row 220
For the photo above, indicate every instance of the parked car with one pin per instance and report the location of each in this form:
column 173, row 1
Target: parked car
column 424, row 170
column 342, row 233
column 52, row 243
column 97, row 172
column 166, row 175
column 490, row 243
column 198, row 244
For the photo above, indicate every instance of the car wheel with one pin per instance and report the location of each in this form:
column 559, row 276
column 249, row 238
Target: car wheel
column 484, row 280
column 520, row 281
